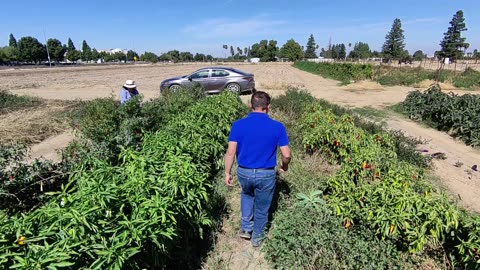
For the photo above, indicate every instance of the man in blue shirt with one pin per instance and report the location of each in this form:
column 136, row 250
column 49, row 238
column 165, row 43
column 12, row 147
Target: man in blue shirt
column 128, row 91
column 254, row 141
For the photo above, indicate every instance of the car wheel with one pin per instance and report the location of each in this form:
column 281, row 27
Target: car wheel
column 174, row 87
column 233, row 87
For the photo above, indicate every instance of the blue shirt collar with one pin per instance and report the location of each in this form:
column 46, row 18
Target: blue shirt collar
column 257, row 114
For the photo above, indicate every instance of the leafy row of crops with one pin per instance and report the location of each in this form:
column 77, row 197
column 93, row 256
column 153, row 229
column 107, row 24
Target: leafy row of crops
column 376, row 190
column 133, row 211
column 344, row 72
column 387, row 75
column 457, row 115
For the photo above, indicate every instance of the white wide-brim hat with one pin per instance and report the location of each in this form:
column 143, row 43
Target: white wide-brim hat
column 130, row 84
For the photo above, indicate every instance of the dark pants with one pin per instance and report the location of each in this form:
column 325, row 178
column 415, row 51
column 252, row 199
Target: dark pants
column 258, row 186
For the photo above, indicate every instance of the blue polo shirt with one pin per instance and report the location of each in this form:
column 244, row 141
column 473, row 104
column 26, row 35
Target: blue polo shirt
column 257, row 137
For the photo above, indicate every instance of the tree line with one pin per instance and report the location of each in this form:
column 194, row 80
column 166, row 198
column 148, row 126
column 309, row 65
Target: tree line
column 31, row 51
column 453, row 46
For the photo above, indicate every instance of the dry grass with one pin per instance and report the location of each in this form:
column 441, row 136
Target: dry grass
column 425, row 84
column 363, row 86
column 33, row 125
column 278, row 85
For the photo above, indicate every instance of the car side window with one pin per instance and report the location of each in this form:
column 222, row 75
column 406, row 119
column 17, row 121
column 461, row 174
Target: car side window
column 219, row 73
column 200, row 74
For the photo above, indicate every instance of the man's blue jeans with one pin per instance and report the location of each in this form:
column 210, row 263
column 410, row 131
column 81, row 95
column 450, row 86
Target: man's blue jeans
column 258, row 186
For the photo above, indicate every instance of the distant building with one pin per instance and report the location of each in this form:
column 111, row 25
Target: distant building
column 114, row 51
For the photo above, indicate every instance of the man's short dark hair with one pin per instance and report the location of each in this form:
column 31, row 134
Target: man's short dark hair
column 260, row 100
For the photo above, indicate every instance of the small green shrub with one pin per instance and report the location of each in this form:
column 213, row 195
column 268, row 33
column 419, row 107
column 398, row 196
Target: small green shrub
column 308, row 238
column 457, row 115
column 10, row 102
column 468, row 79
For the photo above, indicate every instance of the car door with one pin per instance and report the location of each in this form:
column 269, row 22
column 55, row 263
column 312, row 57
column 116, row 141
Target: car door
column 202, row 77
column 219, row 79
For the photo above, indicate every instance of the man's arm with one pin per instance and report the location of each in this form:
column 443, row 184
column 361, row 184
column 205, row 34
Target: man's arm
column 229, row 159
column 286, row 157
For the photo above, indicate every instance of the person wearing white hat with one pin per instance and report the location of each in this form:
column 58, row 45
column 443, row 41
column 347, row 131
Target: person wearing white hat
column 128, row 91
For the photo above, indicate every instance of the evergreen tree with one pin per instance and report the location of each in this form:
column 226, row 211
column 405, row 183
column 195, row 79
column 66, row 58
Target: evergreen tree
column 12, row 42
column 453, row 43
column 311, row 47
column 291, row 50
column 232, row 51
column 72, row 53
column 13, row 50
column 394, row 46
column 86, row 51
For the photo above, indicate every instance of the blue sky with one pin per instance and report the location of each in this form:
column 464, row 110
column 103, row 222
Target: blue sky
column 204, row 26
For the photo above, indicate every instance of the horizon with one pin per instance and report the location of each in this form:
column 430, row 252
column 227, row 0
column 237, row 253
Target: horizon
column 169, row 25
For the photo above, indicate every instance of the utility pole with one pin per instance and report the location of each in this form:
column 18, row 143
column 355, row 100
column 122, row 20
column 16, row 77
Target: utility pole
column 46, row 45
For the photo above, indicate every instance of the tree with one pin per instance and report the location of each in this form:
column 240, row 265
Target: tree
column 394, row 46
column 259, row 49
column 7, row 54
column 31, row 50
column 209, row 57
column 13, row 51
column 232, row 51
column 132, row 55
column 186, row 56
column 265, row 50
column 271, row 52
column 291, row 50
column 86, row 51
column 239, row 51
column 338, row 51
column 311, row 48
column 476, row 55
column 453, row 44
column 199, row 57
column 418, row 55
column 56, row 49
column 149, row 57
column 72, row 54
column 12, row 42
column 360, row 50
column 174, row 55
column 95, row 55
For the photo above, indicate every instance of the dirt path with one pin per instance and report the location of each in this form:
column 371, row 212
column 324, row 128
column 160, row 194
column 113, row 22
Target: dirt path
column 232, row 252
column 49, row 148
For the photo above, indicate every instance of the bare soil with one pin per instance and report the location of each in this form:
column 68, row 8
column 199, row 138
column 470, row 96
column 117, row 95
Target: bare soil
column 88, row 82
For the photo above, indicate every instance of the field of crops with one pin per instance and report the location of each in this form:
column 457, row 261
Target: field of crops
column 138, row 189
column 378, row 189
column 388, row 75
